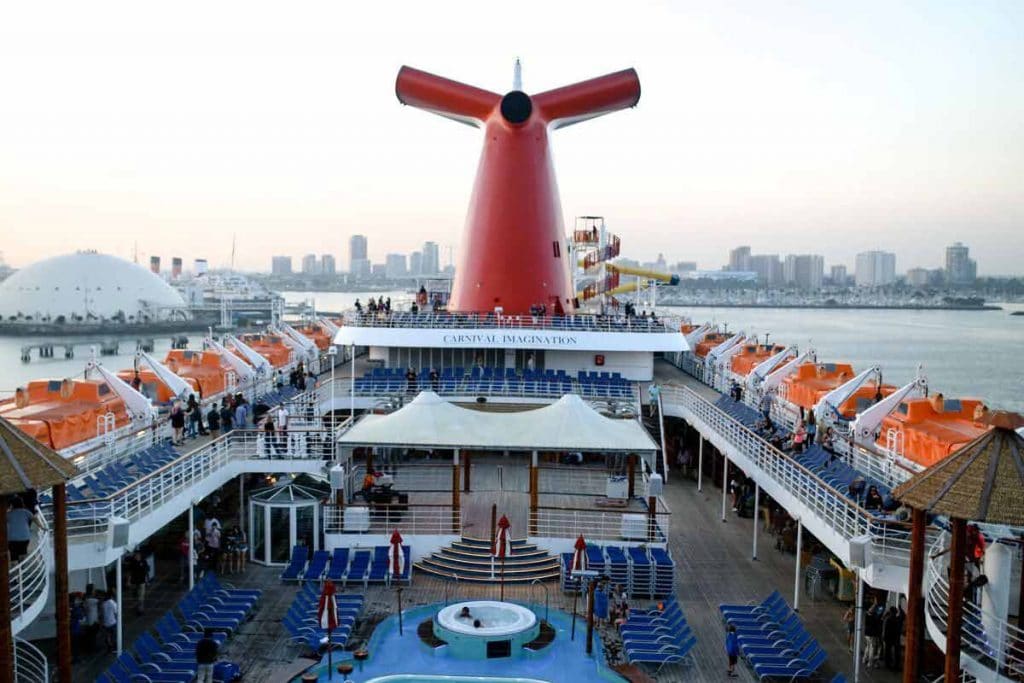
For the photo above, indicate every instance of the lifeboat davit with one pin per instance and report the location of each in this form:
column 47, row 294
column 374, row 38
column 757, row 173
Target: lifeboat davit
column 270, row 346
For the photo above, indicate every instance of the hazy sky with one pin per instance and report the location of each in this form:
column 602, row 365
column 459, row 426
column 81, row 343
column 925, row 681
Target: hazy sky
column 790, row 126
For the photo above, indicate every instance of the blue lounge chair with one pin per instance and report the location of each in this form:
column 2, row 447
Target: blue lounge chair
column 339, row 563
column 296, row 564
column 317, row 566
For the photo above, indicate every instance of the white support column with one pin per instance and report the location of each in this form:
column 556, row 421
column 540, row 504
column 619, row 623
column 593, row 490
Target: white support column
column 700, row 463
column 191, row 547
column 995, row 596
column 858, row 627
column 725, row 482
column 241, row 501
column 352, row 389
column 120, row 610
column 757, row 516
column 796, row 577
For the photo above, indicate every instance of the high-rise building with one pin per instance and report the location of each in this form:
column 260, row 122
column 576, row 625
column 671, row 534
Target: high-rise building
column 875, row 269
column 360, row 269
column 310, row 265
column 416, row 264
column 685, row 267
column 739, row 259
column 431, row 259
column 154, row 264
column 961, row 269
column 281, row 265
column 356, row 251
column 917, row 277
column 804, row 271
column 200, row 266
column 837, row 274
column 175, row 267
column 767, row 266
column 394, row 266
column 328, row 265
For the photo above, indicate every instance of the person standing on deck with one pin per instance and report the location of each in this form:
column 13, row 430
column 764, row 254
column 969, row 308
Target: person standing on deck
column 138, row 572
column 206, row 657
column 227, row 415
column 109, row 620
column 213, row 421
column 732, row 650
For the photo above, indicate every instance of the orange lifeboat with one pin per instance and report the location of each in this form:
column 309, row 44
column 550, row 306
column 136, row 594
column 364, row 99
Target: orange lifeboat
column 206, row 370
column 63, row 413
column 270, row 346
column 811, row 381
column 317, row 335
column 710, row 341
column 751, row 355
column 927, row 430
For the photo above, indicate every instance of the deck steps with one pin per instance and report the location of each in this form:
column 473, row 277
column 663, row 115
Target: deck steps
column 543, row 639
column 469, row 559
column 425, row 631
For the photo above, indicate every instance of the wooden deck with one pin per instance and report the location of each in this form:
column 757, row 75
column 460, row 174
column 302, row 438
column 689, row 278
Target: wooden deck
column 713, row 566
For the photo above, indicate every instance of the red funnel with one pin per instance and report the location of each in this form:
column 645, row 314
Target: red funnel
column 513, row 251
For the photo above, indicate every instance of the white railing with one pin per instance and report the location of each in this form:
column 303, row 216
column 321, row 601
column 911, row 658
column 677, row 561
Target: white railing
column 149, row 492
column 30, row 665
column 992, row 643
column 582, row 481
column 567, row 323
column 829, row 504
column 30, row 578
column 420, row 477
column 439, row 520
column 598, row 525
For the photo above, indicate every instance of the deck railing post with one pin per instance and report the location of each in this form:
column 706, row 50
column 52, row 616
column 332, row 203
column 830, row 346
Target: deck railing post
column 757, row 517
column 796, row 577
column 700, row 462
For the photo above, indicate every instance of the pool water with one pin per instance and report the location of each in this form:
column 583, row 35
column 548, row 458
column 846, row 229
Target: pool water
column 404, row 658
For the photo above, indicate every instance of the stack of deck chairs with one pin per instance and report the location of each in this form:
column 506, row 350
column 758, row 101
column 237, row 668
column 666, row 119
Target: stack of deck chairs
column 641, row 572
column 303, row 627
column 773, row 639
column 657, row 637
column 344, row 566
column 169, row 656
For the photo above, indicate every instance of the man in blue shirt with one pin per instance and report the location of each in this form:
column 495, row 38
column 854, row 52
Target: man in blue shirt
column 732, row 649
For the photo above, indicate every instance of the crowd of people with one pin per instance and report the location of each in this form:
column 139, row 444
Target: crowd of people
column 213, row 549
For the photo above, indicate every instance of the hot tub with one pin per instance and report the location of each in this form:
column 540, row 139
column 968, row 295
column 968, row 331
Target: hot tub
column 503, row 629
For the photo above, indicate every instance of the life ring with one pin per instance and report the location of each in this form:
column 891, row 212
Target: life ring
column 21, row 397
column 66, row 389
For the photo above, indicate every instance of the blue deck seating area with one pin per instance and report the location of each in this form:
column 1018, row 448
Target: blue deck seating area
column 301, row 623
column 168, row 655
column 828, row 466
column 657, row 636
column 496, row 381
column 640, row 571
column 773, row 640
column 345, row 565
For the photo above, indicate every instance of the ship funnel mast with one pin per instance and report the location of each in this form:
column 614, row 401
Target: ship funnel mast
column 517, row 76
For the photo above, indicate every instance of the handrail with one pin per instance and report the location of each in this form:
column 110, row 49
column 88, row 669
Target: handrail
column 543, row 585
column 994, row 643
column 29, row 579
column 568, row 323
column 748, row 434
column 30, row 664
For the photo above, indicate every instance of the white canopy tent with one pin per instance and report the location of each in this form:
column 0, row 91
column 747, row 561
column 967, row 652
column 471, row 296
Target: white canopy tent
column 569, row 424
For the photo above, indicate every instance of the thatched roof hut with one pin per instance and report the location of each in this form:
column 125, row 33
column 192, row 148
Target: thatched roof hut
column 27, row 464
column 983, row 481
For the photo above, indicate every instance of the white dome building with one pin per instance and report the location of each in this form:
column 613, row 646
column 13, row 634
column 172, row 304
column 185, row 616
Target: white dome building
column 88, row 287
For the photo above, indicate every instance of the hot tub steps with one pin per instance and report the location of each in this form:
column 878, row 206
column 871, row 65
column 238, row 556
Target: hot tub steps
column 426, row 633
column 545, row 638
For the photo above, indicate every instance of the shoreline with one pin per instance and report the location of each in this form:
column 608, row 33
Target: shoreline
column 868, row 307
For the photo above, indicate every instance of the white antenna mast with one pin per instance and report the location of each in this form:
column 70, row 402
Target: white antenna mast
column 517, row 76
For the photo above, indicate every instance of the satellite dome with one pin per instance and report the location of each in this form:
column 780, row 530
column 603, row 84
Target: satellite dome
column 88, row 287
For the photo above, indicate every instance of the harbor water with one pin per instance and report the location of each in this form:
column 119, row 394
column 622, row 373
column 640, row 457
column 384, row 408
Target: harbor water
column 963, row 353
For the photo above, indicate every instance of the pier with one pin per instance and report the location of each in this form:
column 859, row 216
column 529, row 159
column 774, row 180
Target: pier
column 105, row 347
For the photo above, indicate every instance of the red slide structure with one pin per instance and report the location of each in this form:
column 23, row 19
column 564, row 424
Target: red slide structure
column 514, row 253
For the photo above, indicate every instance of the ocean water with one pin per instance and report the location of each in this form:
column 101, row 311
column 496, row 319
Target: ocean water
column 963, row 353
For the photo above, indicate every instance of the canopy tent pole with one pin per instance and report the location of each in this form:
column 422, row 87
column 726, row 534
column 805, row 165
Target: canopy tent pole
column 6, row 633
column 955, row 607
column 915, row 601
column 757, row 521
column 60, row 571
column 796, row 576
column 725, row 482
column 858, row 627
column 700, row 462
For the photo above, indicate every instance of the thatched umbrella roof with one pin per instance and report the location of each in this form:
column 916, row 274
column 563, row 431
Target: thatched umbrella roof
column 27, row 464
column 983, row 481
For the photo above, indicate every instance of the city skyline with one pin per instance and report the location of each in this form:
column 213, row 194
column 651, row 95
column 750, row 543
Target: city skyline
column 805, row 130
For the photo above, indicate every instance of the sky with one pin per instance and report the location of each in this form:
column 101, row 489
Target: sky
column 174, row 129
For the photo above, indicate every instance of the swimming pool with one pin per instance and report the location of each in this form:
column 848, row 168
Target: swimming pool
column 395, row 658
